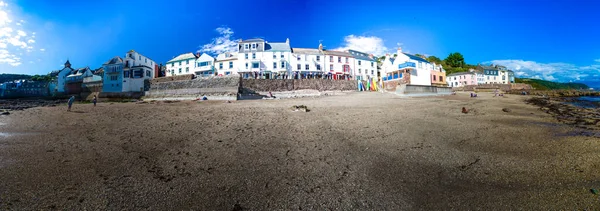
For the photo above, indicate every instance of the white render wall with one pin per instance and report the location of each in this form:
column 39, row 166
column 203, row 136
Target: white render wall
column 422, row 74
column 137, row 84
column 338, row 66
column 265, row 60
column 307, row 59
column 365, row 69
column 183, row 64
column 222, row 71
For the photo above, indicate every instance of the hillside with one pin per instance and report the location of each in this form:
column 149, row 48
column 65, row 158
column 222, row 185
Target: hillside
column 11, row 77
column 549, row 85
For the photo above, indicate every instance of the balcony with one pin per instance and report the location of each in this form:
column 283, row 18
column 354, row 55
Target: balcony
column 407, row 65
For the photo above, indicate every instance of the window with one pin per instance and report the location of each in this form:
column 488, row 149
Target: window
column 220, row 65
column 253, row 55
column 358, row 70
column 246, row 56
column 488, row 77
column 253, row 45
column 172, row 64
column 339, row 59
column 346, row 59
column 372, row 72
column 255, row 65
column 318, row 66
column 441, row 79
column 299, row 66
column 146, row 60
column 274, row 56
column 282, row 63
column 172, row 72
column 187, row 69
column 148, row 73
column 330, row 58
column 179, row 70
column 318, row 58
column 246, row 46
column 282, row 56
column 203, row 64
column 455, row 78
column 298, row 58
column 246, row 65
column 139, row 73
column 330, row 67
column 359, row 62
column 187, row 61
column 372, row 64
column 494, row 78
column 230, row 65
column 140, row 58
column 306, row 67
column 126, row 74
column 434, row 78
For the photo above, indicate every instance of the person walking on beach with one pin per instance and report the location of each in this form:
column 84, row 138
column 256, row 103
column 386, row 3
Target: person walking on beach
column 94, row 100
column 71, row 100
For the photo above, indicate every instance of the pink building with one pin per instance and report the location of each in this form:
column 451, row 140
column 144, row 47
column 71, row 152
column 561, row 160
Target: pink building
column 461, row 79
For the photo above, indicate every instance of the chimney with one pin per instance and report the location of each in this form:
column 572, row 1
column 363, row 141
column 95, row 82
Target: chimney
column 287, row 41
column 197, row 54
column 399, row 50
column 320, row 47
column 371, row 56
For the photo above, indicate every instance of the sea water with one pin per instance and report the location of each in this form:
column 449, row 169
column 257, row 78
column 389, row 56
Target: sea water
column 587, row 102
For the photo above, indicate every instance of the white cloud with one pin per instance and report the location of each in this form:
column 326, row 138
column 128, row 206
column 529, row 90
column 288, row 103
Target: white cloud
column 373, row 45
column 14, row 42
column 597, row 60
column 549, row 71
column 42, row 50
column 223, row 43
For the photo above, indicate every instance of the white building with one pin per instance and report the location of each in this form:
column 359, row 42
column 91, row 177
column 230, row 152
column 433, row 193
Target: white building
column 204, row 66
column 461, row 79
column 338, row 64
column 128, row 74
column 260, row 59
column 181, row 65
column 60, row 78
column 416, row 68
column 307, row 63
column 365, row 65
column 226, row 64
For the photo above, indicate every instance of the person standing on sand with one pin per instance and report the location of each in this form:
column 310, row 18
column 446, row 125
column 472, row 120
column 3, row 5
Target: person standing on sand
column 94, row 100
column 70, row 102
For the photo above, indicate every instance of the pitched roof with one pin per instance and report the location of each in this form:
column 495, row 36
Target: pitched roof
column 277, row 46
column 413, row 57
column 226, row 56
column 392, row 60
column 306, row 51
column 361, row 55
column 184, row 56
column 338, row 53
column 205, row 57
column 252, row 40
column 461, row 73
column 114, row 60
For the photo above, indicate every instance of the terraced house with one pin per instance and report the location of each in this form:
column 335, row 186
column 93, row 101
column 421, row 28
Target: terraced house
column 365, row 65
column 226, row 64
column 182, row 64
column 307, row 62
column 127, row 74
column 258, row 58
column 410, row 69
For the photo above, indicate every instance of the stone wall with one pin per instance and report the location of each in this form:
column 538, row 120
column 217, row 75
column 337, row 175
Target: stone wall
column 219, row 88
column 172, row 78
column 425, row 90
column 492, row 87
column 249, row 86
column 118, row 95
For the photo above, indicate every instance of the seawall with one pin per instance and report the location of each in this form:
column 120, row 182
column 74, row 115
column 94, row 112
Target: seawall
column 290, row 88
column 184, row 88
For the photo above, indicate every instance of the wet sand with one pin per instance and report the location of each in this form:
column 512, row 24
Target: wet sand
column 362, row 151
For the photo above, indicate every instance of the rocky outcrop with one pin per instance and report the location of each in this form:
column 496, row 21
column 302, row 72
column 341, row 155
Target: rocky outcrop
column 558, row 93
column 588, row 118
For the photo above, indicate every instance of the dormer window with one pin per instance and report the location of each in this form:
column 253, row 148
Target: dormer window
column 253, row 46
column 246, row 46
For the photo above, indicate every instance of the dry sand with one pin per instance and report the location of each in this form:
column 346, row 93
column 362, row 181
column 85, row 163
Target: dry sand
column 363, row 151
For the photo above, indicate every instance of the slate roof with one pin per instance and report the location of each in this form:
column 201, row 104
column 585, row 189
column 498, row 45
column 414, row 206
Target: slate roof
column 312, row 51
column 114, row 60
column 413, row 57
column 461, row 73
column 277, row 46
column 223, row 57
column 338, row 53
column 361, row 55
column 252, row 40
column 184, row 56
column 392, row 60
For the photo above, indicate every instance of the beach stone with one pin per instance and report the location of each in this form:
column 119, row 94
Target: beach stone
column 506, row 110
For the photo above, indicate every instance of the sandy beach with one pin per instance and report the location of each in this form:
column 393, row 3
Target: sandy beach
column 361, row 151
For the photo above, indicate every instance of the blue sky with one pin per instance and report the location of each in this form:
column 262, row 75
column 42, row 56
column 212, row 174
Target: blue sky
column 555, row 40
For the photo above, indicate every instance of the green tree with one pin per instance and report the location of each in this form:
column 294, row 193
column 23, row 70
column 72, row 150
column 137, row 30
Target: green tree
column 455, row 60
column 434, row 59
